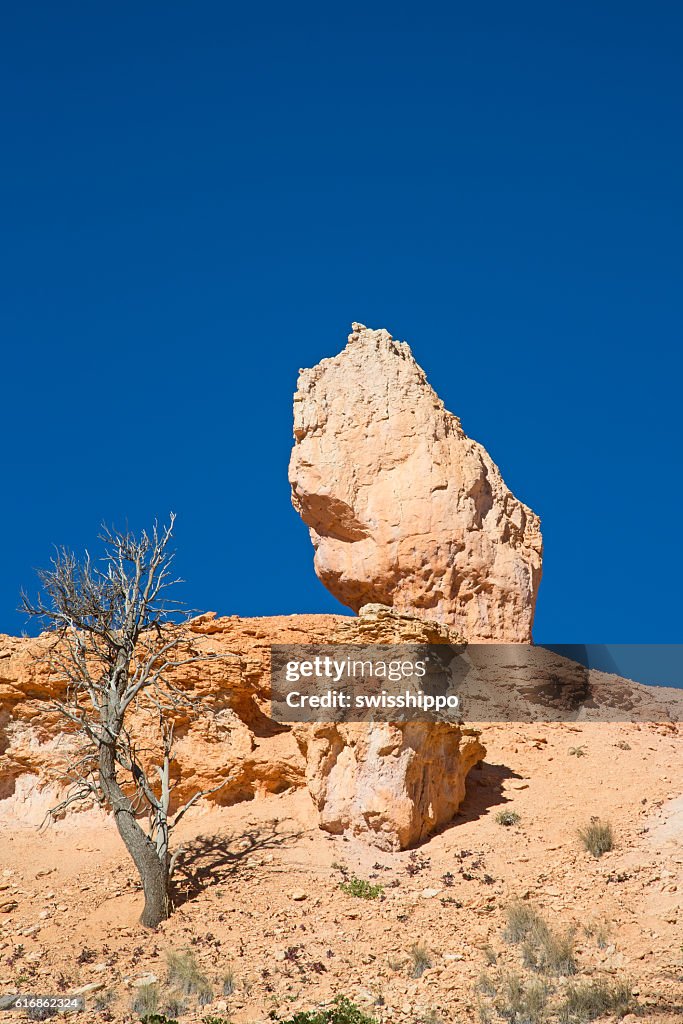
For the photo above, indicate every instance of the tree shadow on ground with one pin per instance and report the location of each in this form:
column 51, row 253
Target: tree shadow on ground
column 210, row 860
column 484, row 789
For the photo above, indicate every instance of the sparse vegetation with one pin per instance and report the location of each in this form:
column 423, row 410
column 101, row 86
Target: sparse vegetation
column 490, row 955
column 522, row 918
column 578, row 751
column 587, row 1001
column 508, row 818
column 158, row 1018
column 417, row 862
column 520, row 1001
column 86, row 956
column 550, row 952
column 597, row 837
column 486, row 985
column 600, row 932
column 41, row 1012
column 103, row 1000
column 542, row 948
column 185, row 975
column 342, row 1011
column 518, row 998
column 623, row 745
column 421, row 960
column 228, row 982
column 354, row 886
column 146, row 1002
column 175, row 1006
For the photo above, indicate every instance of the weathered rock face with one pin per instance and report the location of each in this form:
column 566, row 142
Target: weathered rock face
column 393, row 783
column 403, row 508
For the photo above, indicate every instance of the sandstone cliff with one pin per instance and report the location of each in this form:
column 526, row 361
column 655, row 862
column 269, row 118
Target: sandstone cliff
column 394, row 793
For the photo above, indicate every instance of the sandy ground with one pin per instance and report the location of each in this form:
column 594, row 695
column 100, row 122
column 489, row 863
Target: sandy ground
column 259, row 893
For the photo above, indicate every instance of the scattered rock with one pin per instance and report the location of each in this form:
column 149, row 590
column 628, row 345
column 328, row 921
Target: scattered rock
column 93, row 986
column 144, row 979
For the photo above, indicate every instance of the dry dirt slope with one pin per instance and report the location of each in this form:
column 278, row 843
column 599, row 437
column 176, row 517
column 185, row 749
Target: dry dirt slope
column 260, row 896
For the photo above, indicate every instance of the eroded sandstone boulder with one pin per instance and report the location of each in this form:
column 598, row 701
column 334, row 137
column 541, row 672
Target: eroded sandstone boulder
column 403, row 508
column 392, row 783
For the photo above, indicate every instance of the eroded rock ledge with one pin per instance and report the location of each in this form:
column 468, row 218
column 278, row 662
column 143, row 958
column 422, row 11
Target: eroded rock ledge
column 392, row 784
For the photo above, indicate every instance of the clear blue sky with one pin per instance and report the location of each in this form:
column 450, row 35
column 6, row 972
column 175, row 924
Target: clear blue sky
column 198, row 199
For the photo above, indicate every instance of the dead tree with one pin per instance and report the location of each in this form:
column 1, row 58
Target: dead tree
column 117, row 640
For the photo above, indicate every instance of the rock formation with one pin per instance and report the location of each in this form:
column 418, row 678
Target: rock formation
column 392, row 783
column 403, row 508
column 395, row 792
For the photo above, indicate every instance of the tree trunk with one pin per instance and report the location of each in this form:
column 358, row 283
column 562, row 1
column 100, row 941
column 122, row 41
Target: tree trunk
column 153, row 871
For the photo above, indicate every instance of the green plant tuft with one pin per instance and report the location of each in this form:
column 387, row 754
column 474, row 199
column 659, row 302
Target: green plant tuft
column 508, row 818
column 355, row 886
column 342, row 1011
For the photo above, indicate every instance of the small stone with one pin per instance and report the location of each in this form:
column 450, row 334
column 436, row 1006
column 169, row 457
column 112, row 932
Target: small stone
column 144, row 979
column 429, row 894
column 93, row 986
column 299, row 895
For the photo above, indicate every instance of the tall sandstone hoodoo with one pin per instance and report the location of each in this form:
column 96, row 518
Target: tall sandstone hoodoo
column 403, row 508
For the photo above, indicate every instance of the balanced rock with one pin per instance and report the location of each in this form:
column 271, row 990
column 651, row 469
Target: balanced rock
column 402, row 507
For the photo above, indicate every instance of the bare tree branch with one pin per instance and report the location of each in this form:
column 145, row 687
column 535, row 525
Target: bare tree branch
column 116, row 643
